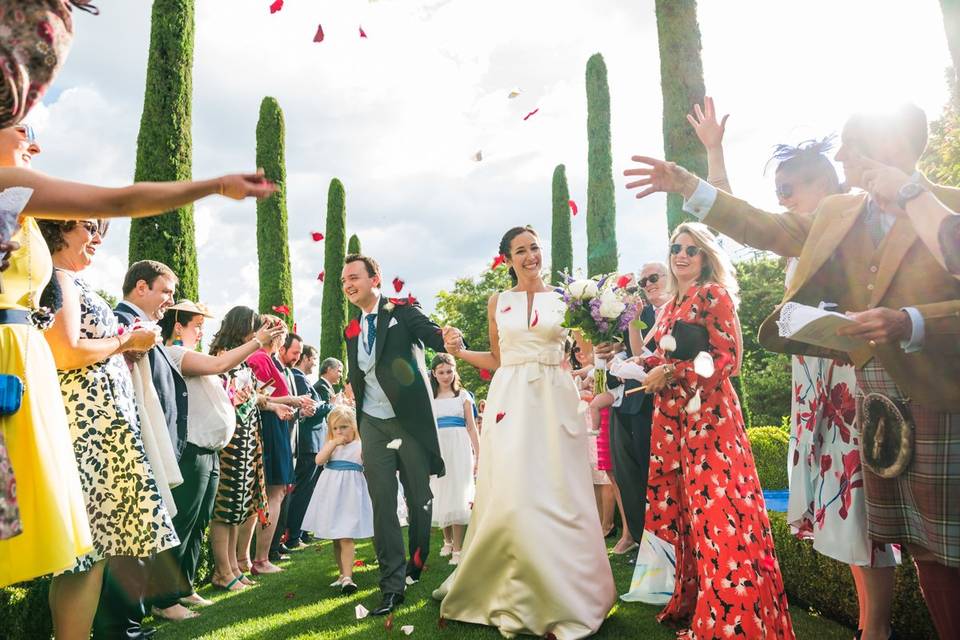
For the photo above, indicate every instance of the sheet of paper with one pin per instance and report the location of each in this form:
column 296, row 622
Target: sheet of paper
column 811, row 325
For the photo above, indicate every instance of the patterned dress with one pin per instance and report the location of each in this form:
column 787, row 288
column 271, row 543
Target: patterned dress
column 127, row 515
column 704, row 494
column 243, row 490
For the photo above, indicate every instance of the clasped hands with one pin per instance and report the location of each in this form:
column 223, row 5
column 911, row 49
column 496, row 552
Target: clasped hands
column 452, row 340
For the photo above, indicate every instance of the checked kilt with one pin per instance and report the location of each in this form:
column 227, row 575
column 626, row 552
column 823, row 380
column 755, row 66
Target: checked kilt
column 922, row 505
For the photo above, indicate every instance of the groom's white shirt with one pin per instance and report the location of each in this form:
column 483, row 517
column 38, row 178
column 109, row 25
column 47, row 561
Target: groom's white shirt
column 375, row 402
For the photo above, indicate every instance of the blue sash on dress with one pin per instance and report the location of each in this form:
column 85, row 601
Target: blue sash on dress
column 447, row 422
column 343, row 465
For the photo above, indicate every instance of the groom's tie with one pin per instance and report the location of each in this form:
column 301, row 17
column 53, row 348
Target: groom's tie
column 371, row 332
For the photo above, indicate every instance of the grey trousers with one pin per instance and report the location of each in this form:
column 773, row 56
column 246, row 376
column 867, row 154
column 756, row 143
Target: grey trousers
column 380, row 467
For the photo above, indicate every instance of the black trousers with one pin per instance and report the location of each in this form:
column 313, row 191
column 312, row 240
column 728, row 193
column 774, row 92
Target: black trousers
column 307, row 474
column 630, row 453
column 194, row 499
column 380, row 467
column 121, row 608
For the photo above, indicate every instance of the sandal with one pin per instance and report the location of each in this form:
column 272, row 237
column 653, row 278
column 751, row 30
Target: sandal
column 244, row 566
column 246, row 581
column 162, row 613
column 234, row 585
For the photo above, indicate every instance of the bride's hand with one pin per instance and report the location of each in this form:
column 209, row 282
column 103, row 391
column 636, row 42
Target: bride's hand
column 452, row 340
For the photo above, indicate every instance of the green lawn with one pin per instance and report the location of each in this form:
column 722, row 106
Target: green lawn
column 298, row 604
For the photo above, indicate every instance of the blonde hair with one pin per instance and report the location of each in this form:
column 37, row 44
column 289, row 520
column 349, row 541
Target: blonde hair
column 342, row 415
column 717, row 266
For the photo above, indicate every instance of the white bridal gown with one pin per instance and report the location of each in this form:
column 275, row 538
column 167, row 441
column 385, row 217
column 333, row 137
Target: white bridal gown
column 534, row 559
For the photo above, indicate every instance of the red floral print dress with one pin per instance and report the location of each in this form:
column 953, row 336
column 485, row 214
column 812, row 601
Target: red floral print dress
column 704, row 494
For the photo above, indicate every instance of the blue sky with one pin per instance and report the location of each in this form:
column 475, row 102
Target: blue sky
column 398, row 116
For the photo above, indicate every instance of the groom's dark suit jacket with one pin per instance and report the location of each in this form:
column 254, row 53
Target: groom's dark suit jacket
column 400, row 372
column 170, row 386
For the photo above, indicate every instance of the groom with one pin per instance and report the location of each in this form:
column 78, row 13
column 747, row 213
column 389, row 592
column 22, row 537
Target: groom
column 395, row 415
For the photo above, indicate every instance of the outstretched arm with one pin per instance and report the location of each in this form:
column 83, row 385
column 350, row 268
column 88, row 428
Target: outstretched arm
column 710, row 132
column 64, row 200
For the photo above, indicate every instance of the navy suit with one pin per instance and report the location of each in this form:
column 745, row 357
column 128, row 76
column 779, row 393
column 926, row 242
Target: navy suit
column 127, row 580
column 311, row 438
column 630, row 443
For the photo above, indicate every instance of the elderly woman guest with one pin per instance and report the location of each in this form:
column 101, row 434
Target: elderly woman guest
column 127, row 514
column 826, row 507
column 703, row 489
column 210, row 427
column 277, row 448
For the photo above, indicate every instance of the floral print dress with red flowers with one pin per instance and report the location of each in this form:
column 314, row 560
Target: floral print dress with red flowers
column 827, row 502
column 705, row 497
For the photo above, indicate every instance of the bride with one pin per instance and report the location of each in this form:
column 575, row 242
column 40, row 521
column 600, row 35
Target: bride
column 534, row 559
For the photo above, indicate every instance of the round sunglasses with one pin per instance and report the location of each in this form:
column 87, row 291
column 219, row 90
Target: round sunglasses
column 690, row 250
column 653, row 278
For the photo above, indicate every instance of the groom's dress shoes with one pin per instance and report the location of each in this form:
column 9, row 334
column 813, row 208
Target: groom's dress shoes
column 390, row 602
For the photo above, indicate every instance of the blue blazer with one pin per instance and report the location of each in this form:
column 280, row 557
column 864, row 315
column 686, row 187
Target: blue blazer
column 313, row 430
column 170, row 386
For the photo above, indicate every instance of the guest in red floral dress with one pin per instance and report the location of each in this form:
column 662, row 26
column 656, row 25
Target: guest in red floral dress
column 705, row 497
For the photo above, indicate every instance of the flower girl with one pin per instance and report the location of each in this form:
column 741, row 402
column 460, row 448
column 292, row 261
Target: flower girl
column 340, row 508
column 459, row 446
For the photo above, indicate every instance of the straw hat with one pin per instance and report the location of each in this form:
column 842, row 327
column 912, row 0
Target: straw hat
column 189, row 306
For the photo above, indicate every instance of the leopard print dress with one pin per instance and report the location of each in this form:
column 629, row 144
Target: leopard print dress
column 127, row 515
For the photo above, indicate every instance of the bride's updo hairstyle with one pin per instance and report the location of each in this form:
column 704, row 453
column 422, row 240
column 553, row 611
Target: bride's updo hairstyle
column 507, row 240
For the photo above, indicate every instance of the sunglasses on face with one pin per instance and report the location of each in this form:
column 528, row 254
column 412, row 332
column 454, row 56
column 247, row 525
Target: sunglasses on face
column 653, row 278
column 690, row 250
column 28, row 133
column 94, row 228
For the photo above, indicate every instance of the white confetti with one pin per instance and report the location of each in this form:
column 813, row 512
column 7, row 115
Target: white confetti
column 362, row 612
column 703, row 365
column 668, row 343
column 395, row 443
column 410, row 581
column 407, row 629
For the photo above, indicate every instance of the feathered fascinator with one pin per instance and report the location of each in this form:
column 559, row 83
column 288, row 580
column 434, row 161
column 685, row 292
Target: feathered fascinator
column 808, row 149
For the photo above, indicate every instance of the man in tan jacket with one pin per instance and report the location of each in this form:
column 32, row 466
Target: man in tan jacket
column 861, row 252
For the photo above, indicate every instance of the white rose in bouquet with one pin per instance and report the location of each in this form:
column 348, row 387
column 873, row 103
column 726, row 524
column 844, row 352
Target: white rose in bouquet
column 610, row 305
column 583, row 289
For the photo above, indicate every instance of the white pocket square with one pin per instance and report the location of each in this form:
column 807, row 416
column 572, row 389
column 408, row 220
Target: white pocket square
column 393, row 323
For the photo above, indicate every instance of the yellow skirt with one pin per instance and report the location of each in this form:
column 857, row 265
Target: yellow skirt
column 52, row 508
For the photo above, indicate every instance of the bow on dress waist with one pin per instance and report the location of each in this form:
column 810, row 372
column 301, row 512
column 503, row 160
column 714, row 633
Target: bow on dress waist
column 532, row 364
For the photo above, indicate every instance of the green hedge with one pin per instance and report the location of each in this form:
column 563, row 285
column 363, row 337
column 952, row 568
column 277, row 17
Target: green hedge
column 769, row 445
column 821, row 583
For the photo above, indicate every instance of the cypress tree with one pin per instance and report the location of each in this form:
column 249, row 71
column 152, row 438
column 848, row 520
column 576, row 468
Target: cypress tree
column 273, row 253
column 951, row 25
column 561, row 241
column 601, row 206
column 353, row 246
column 334, row 319
column 681, row 81
column 164, row 144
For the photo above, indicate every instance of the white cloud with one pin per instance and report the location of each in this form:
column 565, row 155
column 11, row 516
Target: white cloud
column 398, row 115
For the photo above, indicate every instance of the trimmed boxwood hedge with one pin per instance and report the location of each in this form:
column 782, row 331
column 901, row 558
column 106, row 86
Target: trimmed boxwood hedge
column 825, row 585
column 769, row 445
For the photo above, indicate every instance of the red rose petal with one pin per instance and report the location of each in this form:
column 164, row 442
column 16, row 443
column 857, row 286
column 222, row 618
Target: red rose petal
column 276, row 6
column 417, row 561
column 411, row 299
column 398, row 284
column 505, row 309
column 500, row 416
column 358, row 563
column 319, row 36
column 536, row 318
column 352, row 330
column 282, row 309
column 623, row 281
column 363, row 34
column 316, row 235
column 526, row 117
column 295, row 328
column 290, row 595
column 499, row 260
column 573, row 207
column 485, row 374
column 321, row 275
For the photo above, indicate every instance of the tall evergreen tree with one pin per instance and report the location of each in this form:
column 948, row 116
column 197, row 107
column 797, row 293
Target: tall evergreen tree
column 273, row 252
column 681, row 81
column 334, row 307
column 561, row 240
column 601, row 205
column 951, row 24
column 353, row 246
column 164, row 144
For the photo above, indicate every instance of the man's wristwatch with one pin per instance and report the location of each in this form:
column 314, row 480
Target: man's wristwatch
column 908, row 192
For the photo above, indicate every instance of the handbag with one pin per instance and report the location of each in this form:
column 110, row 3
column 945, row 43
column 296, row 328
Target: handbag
column 691, row 339
column 11, row 394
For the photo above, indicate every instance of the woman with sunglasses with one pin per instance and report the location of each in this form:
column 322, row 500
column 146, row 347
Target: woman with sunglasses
column 703, row 490
column 827, row 504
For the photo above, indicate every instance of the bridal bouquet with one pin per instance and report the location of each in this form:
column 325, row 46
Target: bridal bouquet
column 601, row 308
